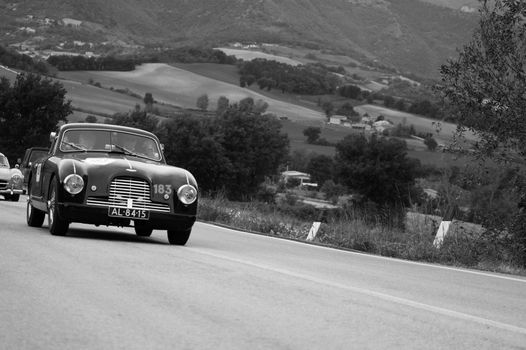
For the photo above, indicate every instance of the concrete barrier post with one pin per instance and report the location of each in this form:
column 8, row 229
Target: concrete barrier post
column 313, row 231
column 441, row 233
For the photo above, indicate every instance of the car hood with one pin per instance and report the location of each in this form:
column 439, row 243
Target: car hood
column 104, row 169
column 6, row 173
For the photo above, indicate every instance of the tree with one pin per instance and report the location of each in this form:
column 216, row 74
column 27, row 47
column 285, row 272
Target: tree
column 320, row 168
column 328, row 108
column 194, row 144
column 222, row 105
column 91, row 119
column 29, row 111
column 351, row 91
column 246, row 105
column 485, row 90
column 148, row 101
column 260, row 106
column 255, row 146
column 346, row 109
column 431, row 143
column 485, row 85
column 202, row 102
column 389, row 101
column 378, row 169
column 136, row 119
column 312, row 133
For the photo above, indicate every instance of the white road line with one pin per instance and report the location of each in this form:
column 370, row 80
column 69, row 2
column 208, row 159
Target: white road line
column 379, row 257
column 383, row 296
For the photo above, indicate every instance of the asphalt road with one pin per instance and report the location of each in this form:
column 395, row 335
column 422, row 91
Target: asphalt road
column 105, row 288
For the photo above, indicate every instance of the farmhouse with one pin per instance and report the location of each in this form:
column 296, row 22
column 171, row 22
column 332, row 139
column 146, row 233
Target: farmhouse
column 337, row 119
column 303, row 178
column 71, row 22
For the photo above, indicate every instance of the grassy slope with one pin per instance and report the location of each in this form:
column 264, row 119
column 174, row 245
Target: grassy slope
column 181, row 85
column 178, row 86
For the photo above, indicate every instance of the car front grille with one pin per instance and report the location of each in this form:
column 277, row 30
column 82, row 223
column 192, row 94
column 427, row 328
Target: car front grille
column 129, row 193
column 3, row 184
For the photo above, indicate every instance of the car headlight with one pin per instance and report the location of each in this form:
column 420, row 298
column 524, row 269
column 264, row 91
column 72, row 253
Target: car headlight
column 73, row 183
column 187, row 194
column 16, row 179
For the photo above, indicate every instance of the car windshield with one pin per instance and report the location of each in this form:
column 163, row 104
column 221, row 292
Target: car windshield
column 4, row 163
column 84, row 140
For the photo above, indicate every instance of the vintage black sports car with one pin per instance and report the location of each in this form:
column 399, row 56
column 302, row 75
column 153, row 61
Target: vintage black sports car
column 110, row 175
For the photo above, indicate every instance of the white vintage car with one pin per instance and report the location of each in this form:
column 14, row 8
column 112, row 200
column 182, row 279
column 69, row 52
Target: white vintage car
column 11, row 180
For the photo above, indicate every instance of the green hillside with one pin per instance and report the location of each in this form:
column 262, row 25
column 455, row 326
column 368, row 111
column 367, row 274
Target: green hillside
column 411, row 35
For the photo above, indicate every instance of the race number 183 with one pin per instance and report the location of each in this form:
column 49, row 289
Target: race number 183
column 162, row 189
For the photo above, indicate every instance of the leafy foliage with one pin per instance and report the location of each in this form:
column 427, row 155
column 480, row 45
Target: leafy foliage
column 255, row 146
column 202, row 102
column 222, row 105
column 312, row 133
column 350, row 91
column 13, row 59
column 320, row 168
column 378, row 169
column 29, row 110
column 486, row 84
column 233, row 152
column 189, row 54
column 137, row 119
column 67, row 63
column 193, row 143
column 303, row 79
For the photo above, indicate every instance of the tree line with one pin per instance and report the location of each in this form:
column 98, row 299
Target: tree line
column 13, row 59
column 311, row 79
column 128, row 62
column 69, row 63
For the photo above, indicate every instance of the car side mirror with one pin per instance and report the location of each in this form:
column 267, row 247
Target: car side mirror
column 17, row 166
column 52, row 136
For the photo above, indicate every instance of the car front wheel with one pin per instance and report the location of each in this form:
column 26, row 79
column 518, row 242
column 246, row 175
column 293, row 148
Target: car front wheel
column 34, row 217
column 178, row 237
column 57, row 226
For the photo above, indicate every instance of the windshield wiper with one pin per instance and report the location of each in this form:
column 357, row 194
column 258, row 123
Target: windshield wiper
column 126, row 151
column 75, row 146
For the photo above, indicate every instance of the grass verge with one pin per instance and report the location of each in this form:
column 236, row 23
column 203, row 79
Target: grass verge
column 352, row 231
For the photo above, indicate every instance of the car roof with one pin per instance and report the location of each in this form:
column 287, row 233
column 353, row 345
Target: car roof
column 73, row 126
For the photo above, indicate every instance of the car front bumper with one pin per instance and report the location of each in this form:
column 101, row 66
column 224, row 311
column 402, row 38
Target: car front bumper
column 11, row 191
column 96, row 215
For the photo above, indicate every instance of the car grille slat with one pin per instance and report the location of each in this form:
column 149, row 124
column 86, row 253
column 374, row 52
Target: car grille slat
column 122, row 190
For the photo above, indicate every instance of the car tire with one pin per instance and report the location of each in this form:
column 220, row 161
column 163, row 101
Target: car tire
column 178, row 237
column 14, row 197
column 143, row 231
column 34, row 217
column 57, row 225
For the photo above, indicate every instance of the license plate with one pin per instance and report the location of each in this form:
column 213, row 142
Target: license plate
column 139, row 214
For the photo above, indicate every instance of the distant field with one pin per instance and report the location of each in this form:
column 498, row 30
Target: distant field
column 455, row 3
column 249, row 55
column 420, row 123
column 180, row 87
